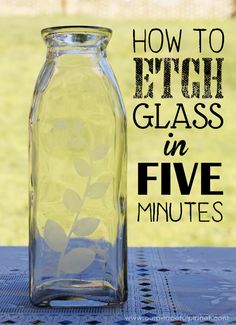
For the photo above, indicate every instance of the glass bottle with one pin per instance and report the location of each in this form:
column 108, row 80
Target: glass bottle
column 77, row 177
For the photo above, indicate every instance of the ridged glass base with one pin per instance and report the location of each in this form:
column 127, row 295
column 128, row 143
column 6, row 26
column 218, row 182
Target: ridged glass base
column 75, row 293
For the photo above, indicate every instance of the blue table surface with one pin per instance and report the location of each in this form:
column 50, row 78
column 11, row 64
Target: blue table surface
column 178, row 285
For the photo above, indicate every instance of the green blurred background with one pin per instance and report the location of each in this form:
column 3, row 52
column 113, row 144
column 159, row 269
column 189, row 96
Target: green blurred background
column 22, row 54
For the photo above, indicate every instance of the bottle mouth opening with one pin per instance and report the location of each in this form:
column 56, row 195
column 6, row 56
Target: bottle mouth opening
column 76, row 36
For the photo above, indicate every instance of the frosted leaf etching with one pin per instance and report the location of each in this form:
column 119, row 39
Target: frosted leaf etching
column 82, row 167
column 97, row 190
column 72, row 200
column 77, row 260
column 100, row 151
column 75, row 136
column 55, row 236
column 85, row 226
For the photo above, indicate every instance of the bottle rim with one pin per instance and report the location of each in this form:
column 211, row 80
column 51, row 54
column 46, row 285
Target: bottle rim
column 77, row 29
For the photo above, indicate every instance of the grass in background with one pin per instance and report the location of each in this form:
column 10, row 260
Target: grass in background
column 22, row 55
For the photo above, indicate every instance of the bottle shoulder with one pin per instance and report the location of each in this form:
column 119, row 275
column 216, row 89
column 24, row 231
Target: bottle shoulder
column 78, row 84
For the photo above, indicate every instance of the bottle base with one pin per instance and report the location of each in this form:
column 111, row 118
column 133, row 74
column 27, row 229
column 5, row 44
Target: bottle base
column 76, row 293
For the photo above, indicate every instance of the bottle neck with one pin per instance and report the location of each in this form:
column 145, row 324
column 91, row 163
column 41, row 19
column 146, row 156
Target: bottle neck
column 55, row 52
column 85, row 40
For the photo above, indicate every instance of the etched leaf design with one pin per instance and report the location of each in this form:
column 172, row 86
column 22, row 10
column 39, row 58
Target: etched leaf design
column 100, row 151
column 86, row 226
column 72, row 200
column 82, row 167
column 97, row 190
column 55, row 236
column 77, row 260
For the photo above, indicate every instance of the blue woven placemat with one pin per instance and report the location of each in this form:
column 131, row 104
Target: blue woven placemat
column 166, row 286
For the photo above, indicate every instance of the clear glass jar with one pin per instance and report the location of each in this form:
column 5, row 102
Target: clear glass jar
column 77, row 177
